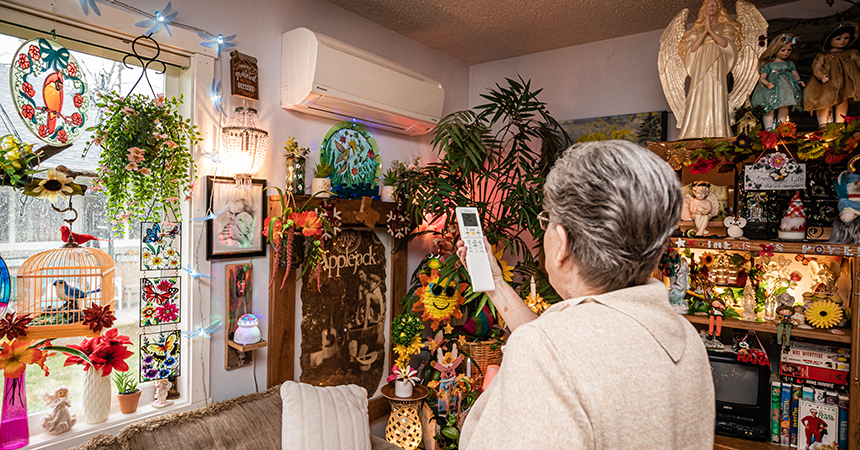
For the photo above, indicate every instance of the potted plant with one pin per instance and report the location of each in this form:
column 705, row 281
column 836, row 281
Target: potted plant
column 390, row 179
column 321, row 184
column 146, row 166
column 127, row 394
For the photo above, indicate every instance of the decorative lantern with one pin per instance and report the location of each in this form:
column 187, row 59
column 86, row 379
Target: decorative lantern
column 55, row 286
column 243, row 146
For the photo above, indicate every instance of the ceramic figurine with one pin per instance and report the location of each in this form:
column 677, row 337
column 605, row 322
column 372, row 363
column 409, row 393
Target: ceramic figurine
column 778, row 87
column 735, row 227
column 749, row 302
column 793, row 225
column 678, row 288
column 836, row 76
column 784, row 316
column 846, row 229
column 823, row 276
column 58, row 420
column 161, row 387
column 716, row 318
column 706, row 53
column 700, row 206
column 799, row 317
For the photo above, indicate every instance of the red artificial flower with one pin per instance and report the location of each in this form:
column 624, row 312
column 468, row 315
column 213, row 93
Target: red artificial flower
column 87, row 347
column 106, row 352
column 77, row 119
column 114, row 338
column 34, row 52
column 98, row 317
column 28, row 89
column 78, row 100
column 796, row 276
column 27, row 111
column 13, row 326
column 768, row 139
column 278, row 225
column 787, row 130
column 849, row 119
column 704, row 165
column 308, row 222
column 110, row 357
column 72, row 70
column 61, row 136
column 43, row 130
column 23, row 61
column 833, row 158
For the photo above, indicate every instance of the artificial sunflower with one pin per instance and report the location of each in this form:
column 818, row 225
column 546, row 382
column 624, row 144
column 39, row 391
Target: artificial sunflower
column 56, row 186
column 707, row 259
column 507, row 269
column 823, row 314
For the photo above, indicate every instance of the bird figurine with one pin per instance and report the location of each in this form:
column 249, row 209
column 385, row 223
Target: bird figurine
column 79, row 239
column 52, row 94
column 71, row 296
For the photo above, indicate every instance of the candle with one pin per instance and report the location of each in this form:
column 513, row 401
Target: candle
column 469, row 368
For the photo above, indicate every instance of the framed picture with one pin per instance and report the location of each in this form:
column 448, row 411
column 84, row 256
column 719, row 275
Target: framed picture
column 237, row 229
column 640, row 128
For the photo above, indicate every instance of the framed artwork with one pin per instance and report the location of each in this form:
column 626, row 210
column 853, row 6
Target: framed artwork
column 237, row 229
column 49, row 91
column 352, row 151
column 159, row 301
column 160, row 244
column 159, row 355
column 239, row 289
column 640, row 128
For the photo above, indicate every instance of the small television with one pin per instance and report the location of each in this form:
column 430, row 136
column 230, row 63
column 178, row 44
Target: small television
column 742, row 393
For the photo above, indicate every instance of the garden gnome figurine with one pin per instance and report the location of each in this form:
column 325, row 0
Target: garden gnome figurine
column 846, row 229
column 700, row 206
column 162, row 386
column 58, row 420
column 793, row 225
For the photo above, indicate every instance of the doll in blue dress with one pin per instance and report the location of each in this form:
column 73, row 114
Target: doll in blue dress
column 779, row 85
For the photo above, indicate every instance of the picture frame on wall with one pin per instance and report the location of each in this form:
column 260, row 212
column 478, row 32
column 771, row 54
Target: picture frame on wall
column 237, row 229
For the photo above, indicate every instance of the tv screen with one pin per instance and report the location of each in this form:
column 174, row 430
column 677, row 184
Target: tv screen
column 735, row 383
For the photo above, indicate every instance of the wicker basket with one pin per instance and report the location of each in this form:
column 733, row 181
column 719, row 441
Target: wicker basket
column 483, row 355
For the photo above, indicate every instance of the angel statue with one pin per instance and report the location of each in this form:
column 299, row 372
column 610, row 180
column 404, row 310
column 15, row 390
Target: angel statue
column 58, row 420
column 700, row 206
column 707, row 52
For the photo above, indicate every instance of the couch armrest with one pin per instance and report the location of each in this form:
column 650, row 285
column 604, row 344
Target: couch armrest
column 377, row 443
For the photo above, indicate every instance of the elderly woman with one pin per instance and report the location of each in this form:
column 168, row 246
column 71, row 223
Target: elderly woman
column 613, row 366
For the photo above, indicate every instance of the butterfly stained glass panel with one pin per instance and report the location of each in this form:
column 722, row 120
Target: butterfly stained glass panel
column 160, row 243
column 159, row 355
column 159, row 301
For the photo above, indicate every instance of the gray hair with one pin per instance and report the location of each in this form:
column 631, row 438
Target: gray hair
column 618, row 203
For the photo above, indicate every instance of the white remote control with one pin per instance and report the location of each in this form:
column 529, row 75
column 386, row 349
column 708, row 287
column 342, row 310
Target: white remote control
column 477, row 259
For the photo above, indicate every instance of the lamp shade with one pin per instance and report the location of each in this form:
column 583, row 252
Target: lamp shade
column 244, row 143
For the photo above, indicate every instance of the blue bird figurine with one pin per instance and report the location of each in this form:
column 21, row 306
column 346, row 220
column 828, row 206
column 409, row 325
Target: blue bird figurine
column 71, row 296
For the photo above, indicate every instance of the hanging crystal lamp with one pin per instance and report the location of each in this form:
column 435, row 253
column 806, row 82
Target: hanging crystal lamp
column 244, row 143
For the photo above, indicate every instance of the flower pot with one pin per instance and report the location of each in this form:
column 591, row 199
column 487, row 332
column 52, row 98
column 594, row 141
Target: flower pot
column 96, row 396
column 402, row 389
column 128, row 402
column 14, row 432
column 386, row 193
column 321, row 185
column 295, row 181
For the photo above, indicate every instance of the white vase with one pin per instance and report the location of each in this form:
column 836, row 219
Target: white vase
column 402, row 389
column 385, row 193
column 322, row 185
column 96, row 396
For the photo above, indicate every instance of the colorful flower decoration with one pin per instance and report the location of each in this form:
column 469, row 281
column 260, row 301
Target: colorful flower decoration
column 16, row 355
column 704, row 165
column 407, row 375
column 823, row 314
column 13, row 326
column 328, row 212
column 766, row 250
column 98, row 317
column 106, row 353
column 507, row 269
column 743, row 141
column 707, row 259
column 768, row 139
column 439, row 300
column 56, row 186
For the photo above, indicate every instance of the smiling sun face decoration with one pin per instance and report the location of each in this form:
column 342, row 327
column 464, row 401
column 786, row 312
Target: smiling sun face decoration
column 439, row 302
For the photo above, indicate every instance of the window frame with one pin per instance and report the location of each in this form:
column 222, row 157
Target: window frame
column 189, row 66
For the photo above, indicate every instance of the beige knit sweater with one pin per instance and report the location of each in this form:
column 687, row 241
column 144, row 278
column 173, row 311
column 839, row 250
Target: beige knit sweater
column 614, row 371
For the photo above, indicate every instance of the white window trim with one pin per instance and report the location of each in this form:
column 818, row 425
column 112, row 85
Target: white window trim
column 183, row 50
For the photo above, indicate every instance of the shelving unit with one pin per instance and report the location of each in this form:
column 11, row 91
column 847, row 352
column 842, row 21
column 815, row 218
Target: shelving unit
column 851, row 336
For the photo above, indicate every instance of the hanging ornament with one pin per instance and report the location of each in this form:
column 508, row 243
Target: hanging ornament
column 332, row 216
column 439, row 300
column 49, row 91
column 398, row 222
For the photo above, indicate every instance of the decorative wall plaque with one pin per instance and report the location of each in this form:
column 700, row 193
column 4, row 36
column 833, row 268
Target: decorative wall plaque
column 775, row 171
column 244, row 79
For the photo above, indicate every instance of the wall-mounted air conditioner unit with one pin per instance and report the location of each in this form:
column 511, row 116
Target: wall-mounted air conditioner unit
column 324, row 77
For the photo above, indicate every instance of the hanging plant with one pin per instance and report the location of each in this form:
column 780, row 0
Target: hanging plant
column 146, row 167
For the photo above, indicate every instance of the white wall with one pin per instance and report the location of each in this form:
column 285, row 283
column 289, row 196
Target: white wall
column 611, row 77
column 259, row 25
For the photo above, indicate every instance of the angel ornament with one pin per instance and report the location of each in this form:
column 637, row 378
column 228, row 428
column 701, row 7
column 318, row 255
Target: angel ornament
column 58, row 420
column 700, row 206
column 707, row 52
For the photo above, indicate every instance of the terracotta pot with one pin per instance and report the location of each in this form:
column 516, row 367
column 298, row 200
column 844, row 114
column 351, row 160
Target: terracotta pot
column 128, row 402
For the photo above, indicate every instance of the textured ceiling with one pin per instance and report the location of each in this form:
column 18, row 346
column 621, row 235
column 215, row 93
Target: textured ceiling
column 477, row 31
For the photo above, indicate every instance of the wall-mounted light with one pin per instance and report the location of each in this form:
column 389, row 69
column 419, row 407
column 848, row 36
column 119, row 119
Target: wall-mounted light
column 244, row 143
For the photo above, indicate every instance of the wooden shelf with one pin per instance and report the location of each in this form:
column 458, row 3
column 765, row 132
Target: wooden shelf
column 811, row 247
column 770, row 327
column 247, row 348
column 727, row 443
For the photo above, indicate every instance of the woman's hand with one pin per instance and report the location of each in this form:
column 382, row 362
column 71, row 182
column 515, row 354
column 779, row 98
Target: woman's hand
column 825, row 79
column 494, row 265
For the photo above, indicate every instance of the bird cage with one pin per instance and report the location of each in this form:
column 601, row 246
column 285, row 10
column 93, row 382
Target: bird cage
column 55, row 286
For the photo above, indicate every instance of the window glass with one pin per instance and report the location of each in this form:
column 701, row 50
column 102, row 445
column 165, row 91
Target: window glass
column 28, row 225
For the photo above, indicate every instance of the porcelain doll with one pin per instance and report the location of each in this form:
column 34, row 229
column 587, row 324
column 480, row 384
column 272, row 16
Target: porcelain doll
column 700, row 206
column 162, row 386
column 836, row 76
column 779, row 84
column 59, row 420
column 716, row 45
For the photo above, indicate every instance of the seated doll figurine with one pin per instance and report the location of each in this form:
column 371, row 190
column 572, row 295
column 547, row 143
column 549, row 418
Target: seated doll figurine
column 836, row 76
column 700, row 207
column 716, row 315
column 784, row 323
column 779, row 84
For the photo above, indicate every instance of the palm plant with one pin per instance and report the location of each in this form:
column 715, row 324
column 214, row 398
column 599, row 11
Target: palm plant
column 494, row 157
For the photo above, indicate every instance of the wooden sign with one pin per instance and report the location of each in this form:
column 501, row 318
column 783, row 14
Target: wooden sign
column 344, row 318
column 244, row 79
column 775, row 171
